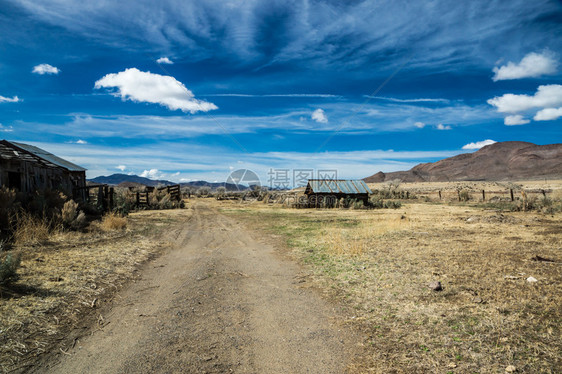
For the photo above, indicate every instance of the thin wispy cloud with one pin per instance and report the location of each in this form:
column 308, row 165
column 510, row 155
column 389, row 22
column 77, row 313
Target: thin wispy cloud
column 43, row 69
column 139, row 86
column 531, row 66
column 6, row 129
column 419, row 100
column 13, row 99
column 312, row 95
column 187, row 163
column 321, row 33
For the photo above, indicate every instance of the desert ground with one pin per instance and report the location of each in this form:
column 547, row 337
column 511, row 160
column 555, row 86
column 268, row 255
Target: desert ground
column 255, row 287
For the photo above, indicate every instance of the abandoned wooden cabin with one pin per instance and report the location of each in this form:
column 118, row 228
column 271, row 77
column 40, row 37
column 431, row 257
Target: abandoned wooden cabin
column 327, row 192
column 27, row 168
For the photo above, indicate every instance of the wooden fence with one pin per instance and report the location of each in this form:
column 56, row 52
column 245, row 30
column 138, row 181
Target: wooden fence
column 99, row 194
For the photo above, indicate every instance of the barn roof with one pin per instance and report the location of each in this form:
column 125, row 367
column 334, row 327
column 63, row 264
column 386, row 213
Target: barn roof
column 26, row 152
column 338, row 186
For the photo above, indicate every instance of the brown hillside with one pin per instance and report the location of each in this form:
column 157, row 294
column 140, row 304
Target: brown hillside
column 499, row 161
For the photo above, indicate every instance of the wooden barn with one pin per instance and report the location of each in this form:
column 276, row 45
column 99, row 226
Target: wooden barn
column 328, row 191
column 27, row 168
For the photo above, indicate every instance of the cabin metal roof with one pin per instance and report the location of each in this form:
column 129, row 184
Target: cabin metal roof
column 337, row 186
column 26, row 152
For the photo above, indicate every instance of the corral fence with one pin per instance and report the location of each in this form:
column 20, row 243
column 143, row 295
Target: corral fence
column 142, row 198
column 483, row 195
column 101, row 195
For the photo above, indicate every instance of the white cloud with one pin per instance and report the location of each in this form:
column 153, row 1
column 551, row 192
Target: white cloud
column 420, row 100
column 164, row 60
column 45, row 69
column 548, row 114
column 311, row 95
column 532, row 65
column 547, row 96
column 6, row 129
column 80, row 141
column 14, row 99
column 419, row 125
column 478, row 145
column 443, row 127
column 139, row 86
column 319, row 116
column 514, row 120
column 152, row 174
column 121, row 167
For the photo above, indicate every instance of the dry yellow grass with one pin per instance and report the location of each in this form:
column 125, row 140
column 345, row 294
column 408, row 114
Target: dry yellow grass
column 380, row 262
column 69, row 277
column 113, row 221
column 31, row 229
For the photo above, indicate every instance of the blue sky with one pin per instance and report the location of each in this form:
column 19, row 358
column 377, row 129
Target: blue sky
column 190, row 90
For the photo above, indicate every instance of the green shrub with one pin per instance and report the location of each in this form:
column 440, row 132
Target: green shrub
column 392, row 204
column 464, row 195
column 8, row 268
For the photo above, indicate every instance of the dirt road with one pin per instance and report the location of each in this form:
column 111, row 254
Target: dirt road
column 221, row 301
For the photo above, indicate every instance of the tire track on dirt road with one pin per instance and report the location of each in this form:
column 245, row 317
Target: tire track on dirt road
column 220, row 301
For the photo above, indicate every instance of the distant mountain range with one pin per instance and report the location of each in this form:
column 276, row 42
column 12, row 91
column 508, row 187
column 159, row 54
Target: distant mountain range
column 495, row 162
column 125, row 180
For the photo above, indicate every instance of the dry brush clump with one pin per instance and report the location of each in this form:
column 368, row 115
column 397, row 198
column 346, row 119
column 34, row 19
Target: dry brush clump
column 72, row 217
column 31, row 229
column 113, row 221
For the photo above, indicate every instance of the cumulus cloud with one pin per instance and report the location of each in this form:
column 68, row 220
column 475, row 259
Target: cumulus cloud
column 121, row 167
column 532, row 65
column 514, row 120
column 45, row 69
column 319, row 116
column 164, row 60
column 80, row 141
column 152, row 174
column 139, row 86
column 443, row 127
column 548, row 114
column 4, row 99
column 419, row 125
column 478, row 145
column 547, row 96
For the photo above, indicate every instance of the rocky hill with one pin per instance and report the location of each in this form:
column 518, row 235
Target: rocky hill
column 495, row 162
column 125, row 180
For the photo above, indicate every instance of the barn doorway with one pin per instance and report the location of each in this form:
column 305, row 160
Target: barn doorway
column 14, row 180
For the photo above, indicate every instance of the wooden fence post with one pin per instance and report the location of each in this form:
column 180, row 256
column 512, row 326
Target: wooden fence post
column 439, row 195
column 511, row 191
column 483, row 195
column 111, row 191
column 459, row 193
column 138, row 199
